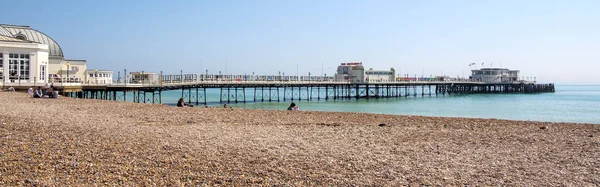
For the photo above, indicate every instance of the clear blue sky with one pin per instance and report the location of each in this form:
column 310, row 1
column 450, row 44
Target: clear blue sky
column 555, row 41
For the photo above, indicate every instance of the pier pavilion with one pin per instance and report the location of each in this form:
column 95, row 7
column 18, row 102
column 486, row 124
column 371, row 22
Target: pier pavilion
column 495, row 75
column 30, row 57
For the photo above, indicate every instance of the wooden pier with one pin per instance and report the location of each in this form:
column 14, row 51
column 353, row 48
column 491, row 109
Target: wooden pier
column 270, row 91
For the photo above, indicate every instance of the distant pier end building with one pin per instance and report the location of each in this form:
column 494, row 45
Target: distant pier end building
column 350, row 72
column 495, row 75
column 28, row 56
column 380, row 75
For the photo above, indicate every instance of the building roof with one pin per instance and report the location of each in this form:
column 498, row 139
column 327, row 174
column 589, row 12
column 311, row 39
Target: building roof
column 29, row 34
column 12, row 39
column 76, row 62
column 103, row 71
column 493, row 69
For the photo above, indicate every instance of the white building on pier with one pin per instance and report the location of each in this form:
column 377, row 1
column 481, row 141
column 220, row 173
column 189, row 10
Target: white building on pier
column 495, row 75
column 350, row 72
column 380, row 75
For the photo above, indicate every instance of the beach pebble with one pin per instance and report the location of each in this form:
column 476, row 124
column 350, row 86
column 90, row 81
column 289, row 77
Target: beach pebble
column 154, row 145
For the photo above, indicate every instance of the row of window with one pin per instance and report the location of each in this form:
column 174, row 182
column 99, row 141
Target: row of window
column 18, row 56
column 378, row 73
column 99, row 75
column 493, row 72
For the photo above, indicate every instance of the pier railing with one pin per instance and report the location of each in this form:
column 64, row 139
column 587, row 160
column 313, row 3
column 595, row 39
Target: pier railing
column 221, row 82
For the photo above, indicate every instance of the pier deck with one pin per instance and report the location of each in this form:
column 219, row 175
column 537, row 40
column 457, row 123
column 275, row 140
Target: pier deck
column 271, row 91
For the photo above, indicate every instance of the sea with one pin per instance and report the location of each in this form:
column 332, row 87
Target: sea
column 578, row 103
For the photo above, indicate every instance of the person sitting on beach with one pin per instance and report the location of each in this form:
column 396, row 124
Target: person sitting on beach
column 292, row 107
column 50, row 92
column 38, row 93
column 30, row 91
column 224, row 105
column 181, row 103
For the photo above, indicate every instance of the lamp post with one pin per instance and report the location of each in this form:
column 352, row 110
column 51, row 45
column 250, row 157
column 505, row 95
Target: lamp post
column 125, row 74
column 68, row 65
column 96, row 75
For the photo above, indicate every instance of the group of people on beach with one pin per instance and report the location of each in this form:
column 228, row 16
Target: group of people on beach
column 47, row 90
column 181, row 103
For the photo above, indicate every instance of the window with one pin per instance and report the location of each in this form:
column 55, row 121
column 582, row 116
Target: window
column 24, row 70
column 18, row 66
column 21, row 37
column 1, row 67
column 42, row 72
column 12, row 68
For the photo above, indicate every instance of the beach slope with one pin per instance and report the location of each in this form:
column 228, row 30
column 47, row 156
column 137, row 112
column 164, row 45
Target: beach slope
column 67, row 141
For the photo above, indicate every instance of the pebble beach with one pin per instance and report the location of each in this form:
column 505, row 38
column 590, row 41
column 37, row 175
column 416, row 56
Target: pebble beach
column 75, row 142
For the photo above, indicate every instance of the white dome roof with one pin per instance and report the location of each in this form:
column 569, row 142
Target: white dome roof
column 27, row 33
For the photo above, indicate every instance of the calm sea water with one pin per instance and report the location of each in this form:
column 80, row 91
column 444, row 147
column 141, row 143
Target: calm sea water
column 570, row 103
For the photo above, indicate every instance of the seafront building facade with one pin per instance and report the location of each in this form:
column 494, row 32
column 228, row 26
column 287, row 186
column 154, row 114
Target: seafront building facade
column 22, row 60
column 495, row 75
column 30, row 56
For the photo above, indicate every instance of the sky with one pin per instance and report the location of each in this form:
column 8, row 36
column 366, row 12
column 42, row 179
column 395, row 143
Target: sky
column 554, row 41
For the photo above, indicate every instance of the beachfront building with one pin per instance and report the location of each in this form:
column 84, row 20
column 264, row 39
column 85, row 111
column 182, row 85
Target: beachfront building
column 380, row 75
column 95, row 76
column 22, row 61
column 495, row 75
column 350, row 72
column 29, row 55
